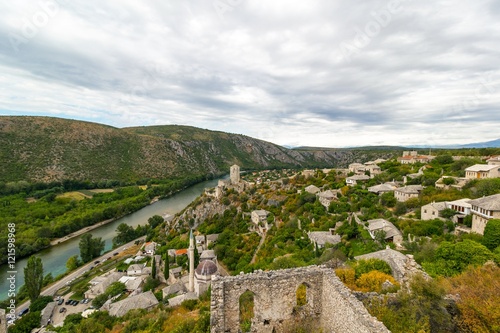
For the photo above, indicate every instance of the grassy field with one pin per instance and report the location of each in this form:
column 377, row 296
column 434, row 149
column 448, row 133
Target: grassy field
column 83, row 194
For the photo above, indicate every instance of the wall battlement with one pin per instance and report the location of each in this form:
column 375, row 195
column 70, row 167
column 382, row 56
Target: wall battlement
column 330, row 305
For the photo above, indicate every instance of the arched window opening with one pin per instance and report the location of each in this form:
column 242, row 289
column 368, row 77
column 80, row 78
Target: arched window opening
column 246, row 310
column 301, row 295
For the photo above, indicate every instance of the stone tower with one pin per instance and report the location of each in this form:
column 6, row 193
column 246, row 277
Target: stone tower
column 191, row 261
column 234, row 174
column 3, row 321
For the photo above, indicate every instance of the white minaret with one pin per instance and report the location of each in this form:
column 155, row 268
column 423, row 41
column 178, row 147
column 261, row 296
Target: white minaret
column 191, row 261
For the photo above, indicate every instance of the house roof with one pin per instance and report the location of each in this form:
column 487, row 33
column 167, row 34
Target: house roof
column 328, row 194
column 135, row 267
column 131, row 282
column 381, row 224
column 323, row 237
column 465, row 202
column 140, row 301
column 175, row 288
column 312, row 189
column 212, row 237
column 382, row 188
column 181, row 252
column 410, row 189
column 437, row 205
column 481, row 168
column 359, row 177
column 491, row 202
column 207, row 254
column 261, row 212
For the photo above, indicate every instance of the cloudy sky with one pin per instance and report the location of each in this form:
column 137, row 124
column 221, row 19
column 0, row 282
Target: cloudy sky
column 325, row 73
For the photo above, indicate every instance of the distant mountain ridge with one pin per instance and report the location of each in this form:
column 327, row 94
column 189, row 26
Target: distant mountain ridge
column 53, row 149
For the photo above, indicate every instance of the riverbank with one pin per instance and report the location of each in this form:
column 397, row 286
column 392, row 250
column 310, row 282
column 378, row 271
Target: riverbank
column 82, row 231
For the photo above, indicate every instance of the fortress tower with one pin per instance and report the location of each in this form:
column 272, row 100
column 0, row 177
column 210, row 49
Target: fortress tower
column 234, row 174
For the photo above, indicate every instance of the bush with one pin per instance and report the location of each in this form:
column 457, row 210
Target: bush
column 373, row 281
column 367, row 265
column 189, row 304
column 40, row 303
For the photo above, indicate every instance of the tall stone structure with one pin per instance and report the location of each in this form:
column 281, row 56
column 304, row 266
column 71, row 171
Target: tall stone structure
column 330, row 306
column 3, row 321
column 191, row 261
column 234, row 174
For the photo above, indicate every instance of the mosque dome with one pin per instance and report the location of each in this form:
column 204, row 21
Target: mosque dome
column 206, row 267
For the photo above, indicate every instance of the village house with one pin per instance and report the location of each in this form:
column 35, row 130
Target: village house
column 494, row 160
column 150, row 248
column 354, row 167
column 402, row 194
column 392, row 234
column 135, row 270
column 312, row 189
column 259, row 218
column 412, row 157
column 177, row 288
column 353, row 180
column 480, row 171
column 145, row 300
column 320, row 238
column 462, row 207
column 483, row 210
column 456, row 182
column 431, row 211
column 383, row 188
column 132, row 283
column 326, row 197
column 100, row 283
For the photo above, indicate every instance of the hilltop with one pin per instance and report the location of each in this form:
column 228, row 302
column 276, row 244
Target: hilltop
column 47, row 149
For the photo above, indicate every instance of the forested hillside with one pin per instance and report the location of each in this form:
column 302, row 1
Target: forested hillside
column 43, row 149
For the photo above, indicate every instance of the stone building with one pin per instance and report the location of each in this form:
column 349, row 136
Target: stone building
column 481, row 171
column 329, row 305
column 404, row 193
column 483, row 210
column 234, row 174
column 3, row 321
column 392, row 234
column 431, row 211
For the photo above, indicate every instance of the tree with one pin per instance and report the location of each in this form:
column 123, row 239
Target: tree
column 124, row 234
column 153, row 268
column 33, row 277
column 155, row 220
column 166, row 270
column 90, row 248
column 72, row 263
column 491, row 238
column 196, row 257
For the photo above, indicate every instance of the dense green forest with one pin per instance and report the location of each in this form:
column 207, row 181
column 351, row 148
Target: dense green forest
column 42, row 213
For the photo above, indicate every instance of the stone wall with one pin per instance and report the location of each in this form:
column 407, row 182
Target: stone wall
column 330, row 305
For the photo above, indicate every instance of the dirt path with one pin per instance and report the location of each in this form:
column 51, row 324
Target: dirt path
column 79, row 232
column 262, row 239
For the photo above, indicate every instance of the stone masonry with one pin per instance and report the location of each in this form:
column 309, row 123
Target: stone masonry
column 330, row 305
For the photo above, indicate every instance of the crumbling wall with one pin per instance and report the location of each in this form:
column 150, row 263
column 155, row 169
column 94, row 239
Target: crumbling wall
column 330, row 304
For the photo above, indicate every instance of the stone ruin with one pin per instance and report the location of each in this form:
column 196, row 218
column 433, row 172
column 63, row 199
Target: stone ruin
column 330, row 306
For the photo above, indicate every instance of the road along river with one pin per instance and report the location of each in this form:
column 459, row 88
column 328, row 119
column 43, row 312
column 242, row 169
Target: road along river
column 54, row 258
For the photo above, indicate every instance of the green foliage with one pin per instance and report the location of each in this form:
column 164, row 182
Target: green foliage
column 72, row 263
column 124, row 234
column 27, row 323
column 491, row 238
column 422, row 228
column 166, row 269
column 367, row 265
column 40, row 303
column 90, row 248
column 453, row 258
column 150, row 284
column 33, row 277
column 189, row 304
column 153, row 268
column 400, row 208
column 155, row 221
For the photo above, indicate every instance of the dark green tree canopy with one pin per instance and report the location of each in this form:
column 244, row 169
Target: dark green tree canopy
column 33, row 277
column 90, row 248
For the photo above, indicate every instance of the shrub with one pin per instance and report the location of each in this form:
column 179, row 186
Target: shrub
column 365, row 266
column 373, row 281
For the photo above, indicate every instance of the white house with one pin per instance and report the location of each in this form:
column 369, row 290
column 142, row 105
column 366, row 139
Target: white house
column 135, row 269
column 150, row 248
column 326, row 197
column 353, row 180
column 382, row 188
column 495, row 160
column 480, row 171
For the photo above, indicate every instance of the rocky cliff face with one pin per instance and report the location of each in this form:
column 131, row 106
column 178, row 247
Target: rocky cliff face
column 49, row 149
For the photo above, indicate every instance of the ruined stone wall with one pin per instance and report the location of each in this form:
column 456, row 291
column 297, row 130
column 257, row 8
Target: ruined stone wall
column 329, row 303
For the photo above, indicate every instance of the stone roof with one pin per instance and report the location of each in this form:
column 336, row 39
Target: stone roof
column 131, row 282
column 261, row 212
column 384, row 225
column 323, row 237
column 135, row 267
column 481, row 167
column 411, row 189
column 176, row 288
column 212, row 237
column 141, row 301
column 465, row 202
column 207, row 254
column 100, row 287
column 312, row 189
column 439, row 206
column 206, row 267
column 359, row 177
column 491, row 202
column 382, row 188
column 328, row 194
column 396, row 260
column 46, row 314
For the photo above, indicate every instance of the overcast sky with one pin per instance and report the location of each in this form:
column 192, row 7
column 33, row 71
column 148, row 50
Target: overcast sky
column 300, row 73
